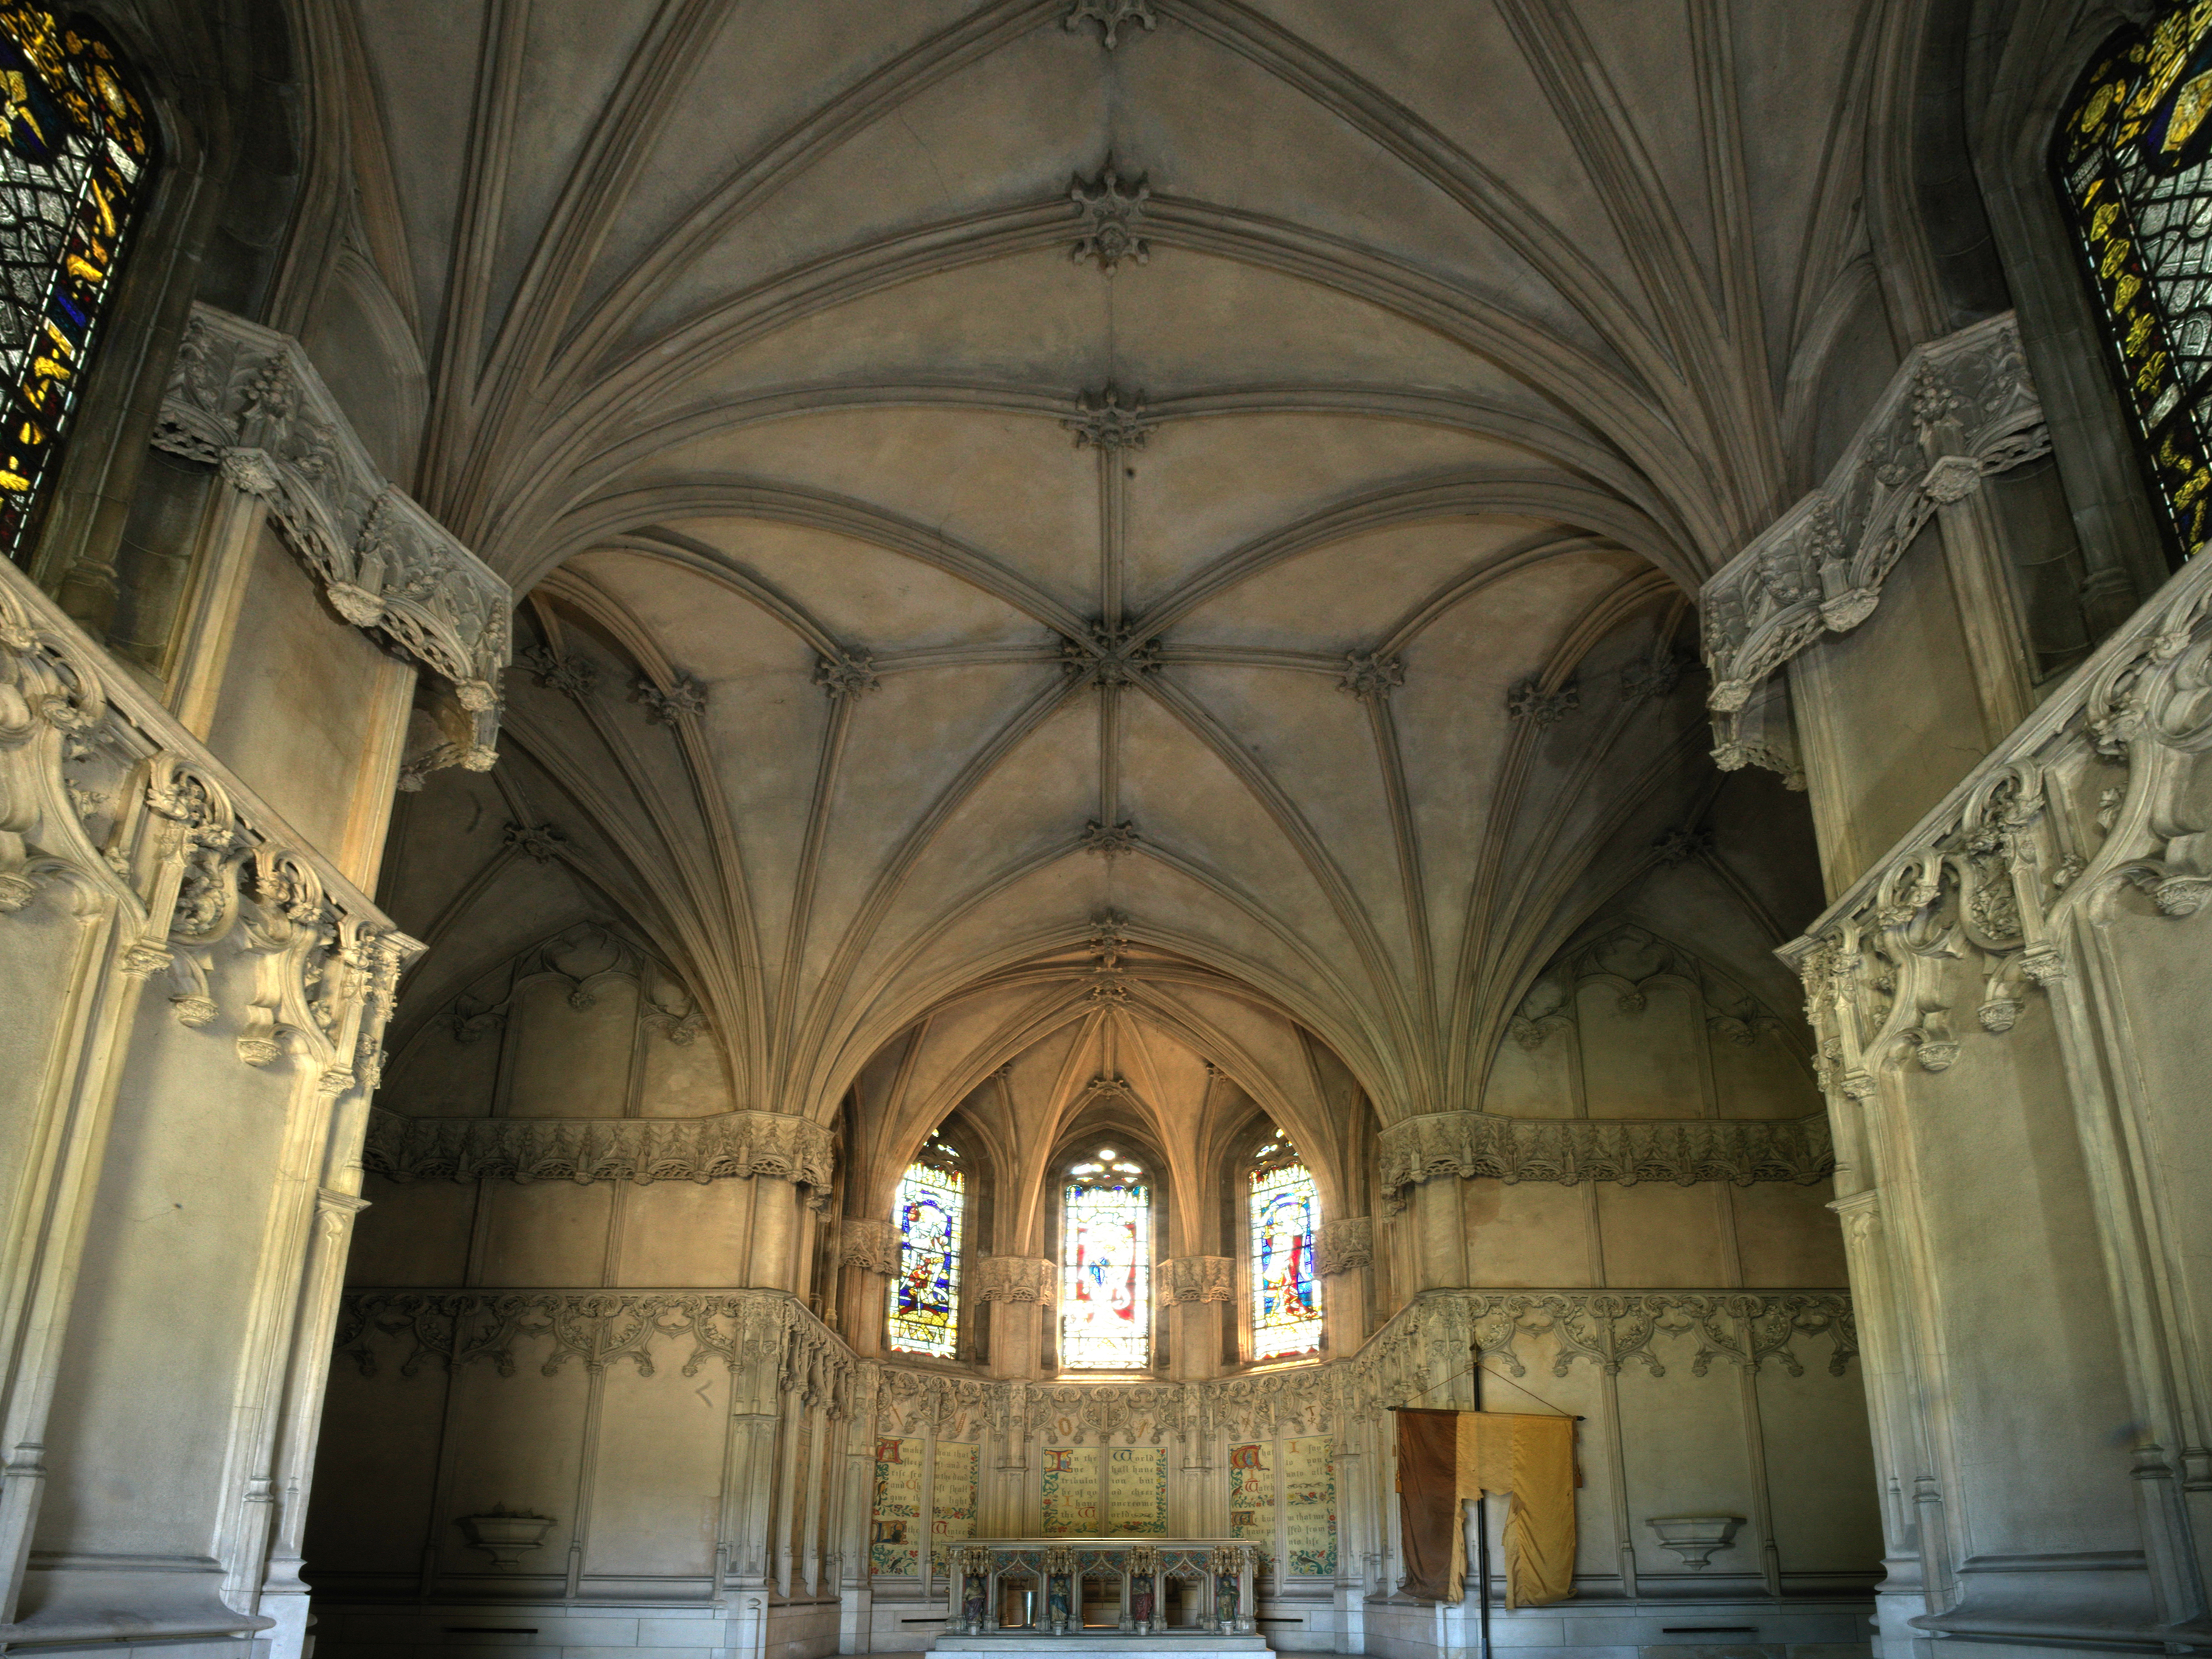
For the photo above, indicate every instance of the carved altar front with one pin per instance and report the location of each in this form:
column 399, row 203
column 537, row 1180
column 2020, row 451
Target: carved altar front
column 1066, row 1587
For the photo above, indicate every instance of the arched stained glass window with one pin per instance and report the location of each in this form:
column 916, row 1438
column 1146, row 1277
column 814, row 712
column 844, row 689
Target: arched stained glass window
column 1106, row 1266
column 932, row 1204
column 2133, row 157
column 72, row 171
column 1286, row 1210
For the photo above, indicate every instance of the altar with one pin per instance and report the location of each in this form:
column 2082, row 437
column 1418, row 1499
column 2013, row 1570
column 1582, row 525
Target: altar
column 1122, row 1594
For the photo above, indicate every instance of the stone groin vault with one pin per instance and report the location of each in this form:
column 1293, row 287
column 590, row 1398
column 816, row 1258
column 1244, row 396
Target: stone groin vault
column 781, row 787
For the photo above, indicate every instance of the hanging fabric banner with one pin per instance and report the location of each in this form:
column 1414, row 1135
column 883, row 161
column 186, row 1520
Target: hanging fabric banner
column 1446, row 1458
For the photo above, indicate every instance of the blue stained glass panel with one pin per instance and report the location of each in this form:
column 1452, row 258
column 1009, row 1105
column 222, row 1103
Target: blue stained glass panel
column 1285, row 1287
column 1106, row 1265
column 925, row 1317
column 75, row 147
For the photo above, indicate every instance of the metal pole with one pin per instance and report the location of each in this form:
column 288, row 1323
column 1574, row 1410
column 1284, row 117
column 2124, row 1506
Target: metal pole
column 1482, row 1530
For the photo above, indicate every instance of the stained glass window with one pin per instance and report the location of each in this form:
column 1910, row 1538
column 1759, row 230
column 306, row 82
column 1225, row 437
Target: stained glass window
column 72, row 171
column 1285, row 1288
column 931, row 1203
column 1106, row 1266
column 2133, row 157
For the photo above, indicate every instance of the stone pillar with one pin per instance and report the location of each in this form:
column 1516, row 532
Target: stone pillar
column 1345, row 1253
column 867, row 1256
column 1189, row 1285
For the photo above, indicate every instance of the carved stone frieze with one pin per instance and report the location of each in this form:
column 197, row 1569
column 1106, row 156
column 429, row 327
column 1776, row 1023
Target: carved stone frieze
column 1974, row 910
column 1345, row 1244
column 1419, row 1358
column 1475, row 1145
column 1958, row 409
column 867, row 1244
column 768, row 1330
column 247, row 400
column 1015, row 1279
column 731, row 1145
column 1199, row 1278
column 104, row 797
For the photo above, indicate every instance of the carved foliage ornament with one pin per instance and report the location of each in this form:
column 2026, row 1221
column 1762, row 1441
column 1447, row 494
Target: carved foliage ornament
column 1569, row 1151
column 1015, row 1279
column 766, row 1331
column 1413, row 1360
column 733, row 1145
column 104, row 797
column 1958, row 409
column 1109, row 215
column 245, row 399
column 1198, row 1278
column 1975, row 907
column 1110, row 15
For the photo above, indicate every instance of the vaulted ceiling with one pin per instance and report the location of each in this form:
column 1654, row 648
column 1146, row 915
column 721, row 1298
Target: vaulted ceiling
column 1230, row 472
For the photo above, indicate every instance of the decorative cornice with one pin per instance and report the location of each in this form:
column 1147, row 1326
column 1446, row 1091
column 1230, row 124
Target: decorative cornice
column 1969, row 916
column 1477, row 1146
column 1345, row 1244
column 731, row 1145
column 867, row 1244
column 1015, row 1279
column 1958, row 409
column 1198, row 1278
column 247, row 400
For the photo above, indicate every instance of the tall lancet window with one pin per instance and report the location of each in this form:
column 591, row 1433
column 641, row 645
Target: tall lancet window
column 73, row 168
column 2133, row 158
column 1286, row 1210
column 932, row 1202
column 1106, row 1266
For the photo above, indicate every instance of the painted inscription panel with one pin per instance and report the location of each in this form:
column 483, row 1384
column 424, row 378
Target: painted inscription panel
column 1137, row 1489
column 895, row 1522
column 1252, row 1495
column 1070, row 1492
column 1309, row 1506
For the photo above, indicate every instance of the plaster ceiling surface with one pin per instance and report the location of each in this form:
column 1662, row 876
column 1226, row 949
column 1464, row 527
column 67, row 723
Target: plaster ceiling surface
column 1299, row 593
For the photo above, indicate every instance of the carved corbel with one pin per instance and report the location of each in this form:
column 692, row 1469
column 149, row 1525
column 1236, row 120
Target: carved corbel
column 870, row 1245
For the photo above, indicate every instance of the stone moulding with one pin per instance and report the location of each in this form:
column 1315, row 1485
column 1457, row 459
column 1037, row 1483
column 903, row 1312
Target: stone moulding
column 246, row 399
column 1477, row 1146
column 1958, row 409
column 731, row 1145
